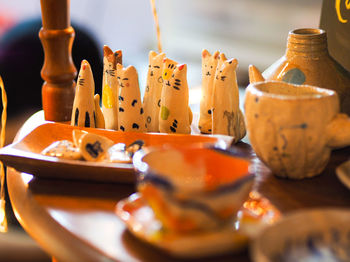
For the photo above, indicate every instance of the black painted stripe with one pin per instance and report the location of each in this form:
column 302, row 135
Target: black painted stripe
column 87, row 119
column 76, row 117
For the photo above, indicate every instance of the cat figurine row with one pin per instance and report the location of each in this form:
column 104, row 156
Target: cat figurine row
column 219, row 106
column 165, row 105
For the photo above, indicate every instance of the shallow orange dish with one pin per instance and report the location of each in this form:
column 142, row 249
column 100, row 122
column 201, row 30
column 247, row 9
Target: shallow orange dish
column 25, row 155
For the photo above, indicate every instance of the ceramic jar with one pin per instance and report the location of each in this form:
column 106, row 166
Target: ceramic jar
column 307, row 61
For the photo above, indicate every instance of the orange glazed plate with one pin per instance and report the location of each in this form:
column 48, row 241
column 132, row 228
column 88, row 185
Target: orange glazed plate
column 25, row 155
column 256, row 213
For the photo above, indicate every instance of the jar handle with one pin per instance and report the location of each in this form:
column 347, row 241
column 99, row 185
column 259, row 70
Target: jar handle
column 338, row 131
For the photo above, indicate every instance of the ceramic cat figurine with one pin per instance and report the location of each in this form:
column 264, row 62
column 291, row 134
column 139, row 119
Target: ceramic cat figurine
column 131, row 117
column 209, row 64
column 83, row 113
column 227, row 117
column 175, row 115
column 151, row 99
column 110, row 88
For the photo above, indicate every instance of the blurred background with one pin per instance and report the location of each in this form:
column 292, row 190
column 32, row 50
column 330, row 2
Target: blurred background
column 253, row 31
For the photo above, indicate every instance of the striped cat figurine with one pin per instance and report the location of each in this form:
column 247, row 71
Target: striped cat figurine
column 151, row 99
column 83, row 113
column 175, row 114
column 110, row 88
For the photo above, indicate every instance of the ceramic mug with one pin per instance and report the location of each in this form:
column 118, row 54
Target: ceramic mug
column 293, row 128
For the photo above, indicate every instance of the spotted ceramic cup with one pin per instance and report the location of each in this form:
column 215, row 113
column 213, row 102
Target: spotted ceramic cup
column 293, row 128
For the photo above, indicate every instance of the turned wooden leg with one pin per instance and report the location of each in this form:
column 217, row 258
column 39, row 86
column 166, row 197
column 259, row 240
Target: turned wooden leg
column 58, row 70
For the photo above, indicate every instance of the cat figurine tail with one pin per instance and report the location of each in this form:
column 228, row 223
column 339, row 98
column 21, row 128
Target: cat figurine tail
column 175, row 114
column 227, row 117
column 130, row 115
column 83, row 113
column 110, row 87
column 100, row 120
column 209, row 64
column 153, row 91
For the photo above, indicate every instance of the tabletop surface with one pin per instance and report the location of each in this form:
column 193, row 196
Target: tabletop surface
column 76, row 221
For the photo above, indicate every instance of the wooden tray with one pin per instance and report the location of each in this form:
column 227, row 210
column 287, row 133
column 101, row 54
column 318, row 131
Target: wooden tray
column 25, row 156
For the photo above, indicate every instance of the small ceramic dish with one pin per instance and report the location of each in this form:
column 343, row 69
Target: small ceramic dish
column 193, row 188
column 25, row 155
column 256, row 213
column 310, row 235
column 343, row 173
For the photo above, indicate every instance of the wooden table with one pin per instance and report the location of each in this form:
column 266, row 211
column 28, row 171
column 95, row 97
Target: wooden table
column 75, row 221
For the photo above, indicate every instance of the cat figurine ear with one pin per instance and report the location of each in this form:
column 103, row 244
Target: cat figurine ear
column 174, row 113
column 255, row 75
column 168, row 69
column 100, row 120
column 153, row 91
column 83, row 113
column 130, row 115
column 110, row 88
column 209, row 64
column 227, row 116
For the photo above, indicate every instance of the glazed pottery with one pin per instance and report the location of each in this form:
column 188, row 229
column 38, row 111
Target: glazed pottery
column 130, row 115
column 153, row 91
column 193, row 188
column 227, row 116
column 309, row 235
column 26, row 154
column 110, row 87
column 307, row 61
column 209, row 64
column 83, row 113
column 293, row 128
column 175, row 114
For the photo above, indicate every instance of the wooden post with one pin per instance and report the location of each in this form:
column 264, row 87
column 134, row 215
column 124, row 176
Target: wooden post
column 58, row 71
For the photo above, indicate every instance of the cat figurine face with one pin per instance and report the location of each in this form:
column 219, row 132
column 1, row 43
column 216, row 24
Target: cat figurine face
column 209, row 64
column 153, row 91
column 131, row 117
column 174, row 113
column 110, row 87
column 227, row 116
column 168, row 69
column 83, row 113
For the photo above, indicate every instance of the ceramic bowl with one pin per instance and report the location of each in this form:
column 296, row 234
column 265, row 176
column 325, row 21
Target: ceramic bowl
column 193, row 188
column 311, row 235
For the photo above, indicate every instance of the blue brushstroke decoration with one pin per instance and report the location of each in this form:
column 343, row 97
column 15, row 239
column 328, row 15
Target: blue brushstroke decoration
column 294, row 76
